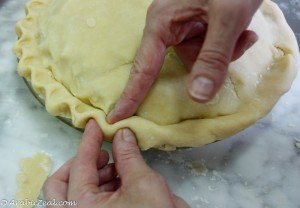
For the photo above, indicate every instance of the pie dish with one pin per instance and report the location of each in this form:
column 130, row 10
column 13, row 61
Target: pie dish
column 77, row 55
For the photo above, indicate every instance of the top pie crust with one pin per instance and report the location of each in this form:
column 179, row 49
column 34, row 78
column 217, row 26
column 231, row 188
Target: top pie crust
column 78, row 55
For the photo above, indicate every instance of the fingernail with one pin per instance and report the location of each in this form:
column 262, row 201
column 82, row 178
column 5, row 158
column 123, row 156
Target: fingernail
column 128, row 136
column 250, row 44
column 202, row 88
column 89, row 125
column 108, row 117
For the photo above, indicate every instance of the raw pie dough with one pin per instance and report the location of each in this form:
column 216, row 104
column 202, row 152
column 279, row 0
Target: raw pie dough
column 78, row 55
column 33, row 174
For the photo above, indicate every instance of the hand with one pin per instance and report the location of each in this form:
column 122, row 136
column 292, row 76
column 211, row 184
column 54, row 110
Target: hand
column 89, row 180
column 207, row 35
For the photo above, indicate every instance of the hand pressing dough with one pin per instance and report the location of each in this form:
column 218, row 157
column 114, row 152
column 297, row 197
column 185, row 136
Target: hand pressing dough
column 78, row 55
column 33, row 174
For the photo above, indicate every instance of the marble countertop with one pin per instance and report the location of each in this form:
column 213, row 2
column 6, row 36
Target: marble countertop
column 259, row 167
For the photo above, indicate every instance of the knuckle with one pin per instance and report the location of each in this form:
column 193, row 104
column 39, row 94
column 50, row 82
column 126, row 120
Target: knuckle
column 152, row 8
column 128, row 152
column 239, row 12
column 146, row 178
column 127, row 95
column 159, row 16
column 214, row 60
column 153, row 12
column 158, row 6
column 142, row 70
column 232, row 7
column 156, row 177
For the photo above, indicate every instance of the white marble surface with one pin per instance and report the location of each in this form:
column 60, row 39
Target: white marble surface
column 259, row 167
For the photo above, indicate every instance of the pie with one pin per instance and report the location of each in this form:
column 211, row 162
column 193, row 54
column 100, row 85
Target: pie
column 77, row 55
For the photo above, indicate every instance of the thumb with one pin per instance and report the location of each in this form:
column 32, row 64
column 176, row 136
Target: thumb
column 179, row 202
column 127, row 156
column 211, row 65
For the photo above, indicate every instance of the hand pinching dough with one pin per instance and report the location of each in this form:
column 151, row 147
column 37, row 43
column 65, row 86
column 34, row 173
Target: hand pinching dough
column 78, row 56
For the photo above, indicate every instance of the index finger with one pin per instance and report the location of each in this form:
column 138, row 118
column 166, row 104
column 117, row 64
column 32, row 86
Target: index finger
column 145, row 70
column 84, row 173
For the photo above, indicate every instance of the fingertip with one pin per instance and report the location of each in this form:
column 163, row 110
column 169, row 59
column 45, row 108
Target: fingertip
column 118, row 136
column 115, row 115
column 202, row 89
column 251, row 39
column 253, row 35
column 92, row 127
column 125, row 137
column 91, row 123
column 125, row 143
column 110, row 118
column 128, row 136
column 122, row 110
column 103, row 159
column 91, row 140
column 247, row 39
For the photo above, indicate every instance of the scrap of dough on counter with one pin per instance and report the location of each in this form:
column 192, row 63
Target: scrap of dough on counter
column 33, row 174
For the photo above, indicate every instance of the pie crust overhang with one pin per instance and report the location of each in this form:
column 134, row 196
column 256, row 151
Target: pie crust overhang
column 78, row 54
